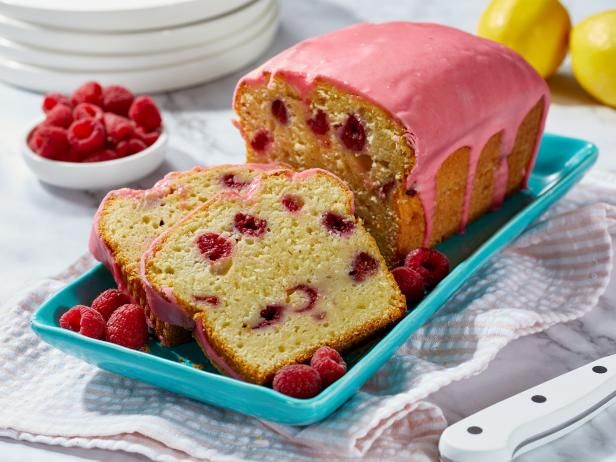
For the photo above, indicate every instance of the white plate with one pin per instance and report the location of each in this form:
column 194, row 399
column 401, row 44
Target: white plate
column 107, row 63
column 116, row 15
column 95, row 175
column 151, row 80
column 151, row 41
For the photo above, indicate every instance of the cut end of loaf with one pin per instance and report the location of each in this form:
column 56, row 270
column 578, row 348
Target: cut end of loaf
column 335, row 131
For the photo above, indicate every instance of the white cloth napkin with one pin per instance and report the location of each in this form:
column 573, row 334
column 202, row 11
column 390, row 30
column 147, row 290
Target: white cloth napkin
column 554, row 273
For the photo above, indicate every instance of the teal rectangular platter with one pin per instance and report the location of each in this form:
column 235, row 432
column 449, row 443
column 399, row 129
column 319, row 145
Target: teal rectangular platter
column 560, row 164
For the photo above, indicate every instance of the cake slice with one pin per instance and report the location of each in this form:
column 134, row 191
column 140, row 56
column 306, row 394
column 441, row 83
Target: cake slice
column 272, row 273
column 430, row 126
column 128, row 220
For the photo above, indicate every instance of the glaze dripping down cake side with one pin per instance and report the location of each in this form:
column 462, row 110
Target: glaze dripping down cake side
column 272, row 275
column 430, row 126
column 128, row 220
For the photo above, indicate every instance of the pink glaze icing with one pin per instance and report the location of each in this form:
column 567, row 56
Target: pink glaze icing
column 448, row 88
column 210, row 352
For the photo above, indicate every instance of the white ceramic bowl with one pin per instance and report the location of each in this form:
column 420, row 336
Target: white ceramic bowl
column 128, row 43
column 95, row 175
column 115, row 15
column 80, row 62
column 145, row 80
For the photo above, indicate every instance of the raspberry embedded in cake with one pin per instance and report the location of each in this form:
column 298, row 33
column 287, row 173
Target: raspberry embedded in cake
column 292, row 202
column 318, row 123
column 261, row 140
column 364, row 265
column 213, row 246
column 230, row 181
column 352, row 134
column 271, row 314
column 279, row 111
column 250, row 225
column 337, row 224
column 308, row 297
column 209, row 299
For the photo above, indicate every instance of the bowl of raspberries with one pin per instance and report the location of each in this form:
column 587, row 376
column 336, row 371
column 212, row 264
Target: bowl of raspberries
column 97, row 138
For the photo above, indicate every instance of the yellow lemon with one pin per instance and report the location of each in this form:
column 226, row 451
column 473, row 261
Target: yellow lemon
column 593, row 55
column 536, row 29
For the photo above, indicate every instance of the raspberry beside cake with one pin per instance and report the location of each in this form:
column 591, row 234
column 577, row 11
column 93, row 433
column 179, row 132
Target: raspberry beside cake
column 128, row 220
column 272, row 273
column 430, row 126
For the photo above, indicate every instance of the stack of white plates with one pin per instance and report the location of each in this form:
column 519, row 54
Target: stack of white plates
column 146, row 45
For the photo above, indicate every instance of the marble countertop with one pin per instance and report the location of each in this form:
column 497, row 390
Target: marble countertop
column 43, row 228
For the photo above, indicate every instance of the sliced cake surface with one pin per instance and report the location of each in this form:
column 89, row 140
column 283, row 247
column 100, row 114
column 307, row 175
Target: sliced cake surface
column 274, row 272
column 128, row 220
column 429, row 125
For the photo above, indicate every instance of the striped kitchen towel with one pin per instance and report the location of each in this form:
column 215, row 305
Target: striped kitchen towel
column 553, row 273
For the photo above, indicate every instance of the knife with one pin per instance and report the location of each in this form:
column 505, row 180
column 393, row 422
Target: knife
column 532, row 418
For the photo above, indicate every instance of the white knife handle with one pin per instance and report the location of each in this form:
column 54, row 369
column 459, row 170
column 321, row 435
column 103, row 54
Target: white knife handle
column 533, row 417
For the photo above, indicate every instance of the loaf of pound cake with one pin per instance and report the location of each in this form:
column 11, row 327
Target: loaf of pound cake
column 272, row 273
column 128, row 220
column 430, row 126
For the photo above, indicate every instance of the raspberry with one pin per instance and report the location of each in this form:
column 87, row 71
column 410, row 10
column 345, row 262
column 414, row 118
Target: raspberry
column 353, row 135
column 108, row 301
column 329, row 364
column 209, row 299
column 87, row 110
column 149, row 138
column 271, row 314
column 261, row 140
column 292, row 203
column 117, row 99
column 49, row 141
column 386, row 189
column 411, row 284
column 337, row 224
column 101, row 156
column 364, row 266
column 127, row 327
column 430, row 263
column 118, row 128
column 59, row 116
column 145, row 113
column 279, row 111
column 213, row 246
column 51, row 100
column 310, row 294
column 319, row 124
column 250, row 225
column 298, row 381
column 84, row 320
column 70, row 156
column 128, row 147
column 86, row 135
column 230, row 181
column 89, row 92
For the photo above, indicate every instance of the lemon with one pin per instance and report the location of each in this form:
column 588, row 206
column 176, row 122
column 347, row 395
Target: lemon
column 593, row 55
column 536, row 29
